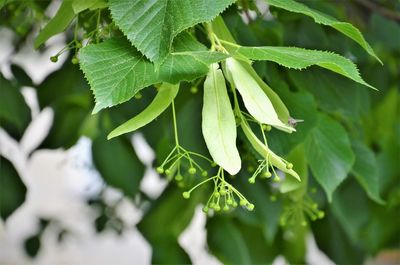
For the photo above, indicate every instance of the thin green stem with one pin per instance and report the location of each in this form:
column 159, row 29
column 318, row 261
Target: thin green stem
column 174, row 122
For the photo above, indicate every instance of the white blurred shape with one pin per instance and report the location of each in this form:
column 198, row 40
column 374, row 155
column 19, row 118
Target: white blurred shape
column 37, row 131
column 194, row 240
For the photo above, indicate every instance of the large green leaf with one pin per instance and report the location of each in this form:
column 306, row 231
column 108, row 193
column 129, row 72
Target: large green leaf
column 233, row 242
column 152, row 25
column 14, row 112
column 329, row 154
column 165, row 96
column 165, row 220
column 57, row 24
column 13, row 190
column 299, row 58
column 365, row 169
column 333, row 94
column 346, row 28
column 130, row 72
column 118, row 164
column 218, row 124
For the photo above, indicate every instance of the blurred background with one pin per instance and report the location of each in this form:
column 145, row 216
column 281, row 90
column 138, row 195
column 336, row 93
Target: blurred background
column 69, row 196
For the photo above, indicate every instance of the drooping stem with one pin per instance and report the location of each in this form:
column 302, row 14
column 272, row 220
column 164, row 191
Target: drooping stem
column 175, row 124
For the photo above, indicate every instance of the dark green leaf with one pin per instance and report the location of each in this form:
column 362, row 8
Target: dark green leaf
column 329, row 154
column 14, row 112
column 13, row 190
column 118, row 164
column 365, row 169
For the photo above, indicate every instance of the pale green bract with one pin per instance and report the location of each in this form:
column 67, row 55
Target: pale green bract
column 265, row 152
column 80, row 5
column 151, row 25
column 299, row 58
column 256, row 101
column 57, row 24
column 346, row 28
column 166, row 94
column 116, row 71
column 218, row 122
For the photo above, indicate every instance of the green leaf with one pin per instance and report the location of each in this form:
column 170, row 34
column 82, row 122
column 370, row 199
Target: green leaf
column 57, row 24
column 131, row 72
column 15, row 114
column 165, row 220
column 151, row 26
column 218, row 125
column 118, row 164
column 256, row 101
column 21, row 76
column 329, row 154
column 346, row 28
column 365, row 169
column 299, row 58
column 166, row 94
column 339, row 95
column 235, row 243
column 79, row 5
column 13, row 190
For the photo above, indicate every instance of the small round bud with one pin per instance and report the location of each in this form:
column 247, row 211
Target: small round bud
column 321, row 214
column 54, row 59
column 160, row 170
column 212, row 205
column 178, row 177
column 217, row 208
column 289, row 165
column 204, row 174
column 250, row 207
column 78, row 45
column 303, row 223
column 205, row 209
column 234, row 204
column 242, row 202
column 74, row 60
column 213, row 164
column 186, row 194
column 138, row 95
column 168, row 172
column 267, row 174
column 216, row 194
column 252, row 180
column 192, row 171
column 226, row 208
column 194, row 89
column 267, row 127
column 229, row 201
column 277, row 179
